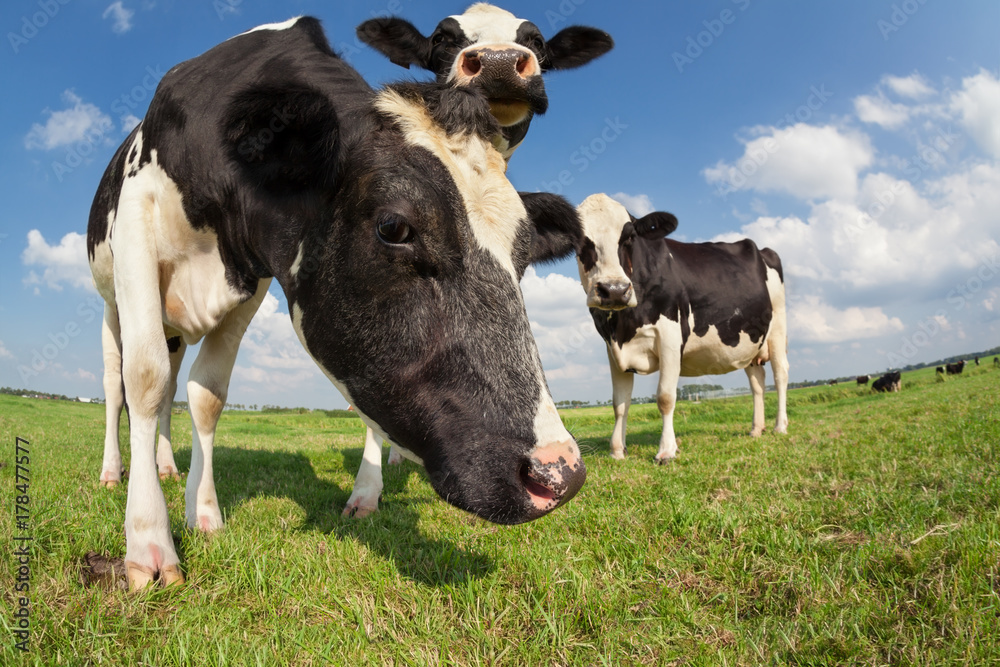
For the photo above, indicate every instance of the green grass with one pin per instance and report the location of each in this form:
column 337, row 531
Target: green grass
column 869, row 535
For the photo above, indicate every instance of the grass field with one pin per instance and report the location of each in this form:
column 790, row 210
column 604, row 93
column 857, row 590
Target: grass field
column 869, row 535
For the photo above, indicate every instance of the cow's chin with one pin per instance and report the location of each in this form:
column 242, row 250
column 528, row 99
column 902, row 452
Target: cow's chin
column 509, row 112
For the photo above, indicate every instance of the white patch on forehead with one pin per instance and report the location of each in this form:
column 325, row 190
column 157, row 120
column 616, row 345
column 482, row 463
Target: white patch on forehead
column 483, row 23
column 284, row 25
column 492, row 205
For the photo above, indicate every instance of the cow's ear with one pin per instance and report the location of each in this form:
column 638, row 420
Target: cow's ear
column 398, row 40
column 575, row 46
column 655, row 225
column 555, row 226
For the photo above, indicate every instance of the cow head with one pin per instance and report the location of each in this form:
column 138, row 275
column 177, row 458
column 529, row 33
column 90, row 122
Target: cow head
column 490, row 48
column 605, row 255
column 406, row 291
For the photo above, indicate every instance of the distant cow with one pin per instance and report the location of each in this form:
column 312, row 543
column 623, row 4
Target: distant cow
column 956, row 368
column 492, row 49
column 996, row 362
column 888, row 382
column 832, row 382
column 399, row 243
column 863, row 379
column 681, row 309
column 976, row 360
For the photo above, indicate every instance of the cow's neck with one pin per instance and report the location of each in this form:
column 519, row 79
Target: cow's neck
column 510, row 137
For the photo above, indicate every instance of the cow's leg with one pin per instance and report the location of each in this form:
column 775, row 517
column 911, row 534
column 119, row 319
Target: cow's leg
column 207, row 389
column 149, row 547
column 395, row 453
column 666, row 400
column 621, row 397
column 368, row 483
column 164, row 450
column 114, row 395
column 778, row 344
column 757, row 376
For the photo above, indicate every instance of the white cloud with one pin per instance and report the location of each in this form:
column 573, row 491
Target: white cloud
column 569, row 346
column 637, row 205
column 121, row 17
column 913, row 86
column 129, row 122
column 65, row 263
column 810, row 320
column 80, row 374
column 805, row 161
column 4, row 352
column 978, row 107
column 81, row 121
column 272, row 357
column 880, row 111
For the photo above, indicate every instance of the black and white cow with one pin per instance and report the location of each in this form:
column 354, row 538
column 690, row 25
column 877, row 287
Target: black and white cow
column 956, row 368
column 490, row 48
column 863, row 379
column 399, row 244
column 996, row 362
column 891, row 381
column 681, row 309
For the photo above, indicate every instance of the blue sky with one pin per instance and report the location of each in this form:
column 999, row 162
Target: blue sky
column 859, row 139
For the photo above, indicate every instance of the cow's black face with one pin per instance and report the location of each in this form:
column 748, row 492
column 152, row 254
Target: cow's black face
column 412, row 307
column 492, row 49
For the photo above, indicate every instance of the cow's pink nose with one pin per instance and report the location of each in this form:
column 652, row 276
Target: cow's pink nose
column 498, row 63
column 552, row 475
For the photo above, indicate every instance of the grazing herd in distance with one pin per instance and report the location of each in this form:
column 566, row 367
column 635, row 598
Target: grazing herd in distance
column 387, row 219
column 892, row 380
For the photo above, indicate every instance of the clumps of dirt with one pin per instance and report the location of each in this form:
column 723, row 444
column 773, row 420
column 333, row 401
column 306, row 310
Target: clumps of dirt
column 100, row 571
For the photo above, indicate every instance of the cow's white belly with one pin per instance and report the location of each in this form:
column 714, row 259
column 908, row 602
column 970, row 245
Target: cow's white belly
column 640, row 354
column 194, row 293
column 708, row 355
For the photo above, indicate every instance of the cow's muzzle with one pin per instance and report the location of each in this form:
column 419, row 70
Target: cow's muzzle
column 509, row 77
column 552, row 475
column 612, row 296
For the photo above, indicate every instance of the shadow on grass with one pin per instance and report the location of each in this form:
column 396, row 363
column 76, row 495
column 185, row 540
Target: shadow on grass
column 392, row 532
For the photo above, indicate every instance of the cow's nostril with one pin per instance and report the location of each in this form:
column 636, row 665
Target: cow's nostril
column 535, row 488
column 471, row 65
column 522, row 64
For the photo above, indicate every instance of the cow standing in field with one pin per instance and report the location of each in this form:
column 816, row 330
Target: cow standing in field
column 504, row 57
column 996, row 362
column 490, row 48
column 956, row 368
column 399, row 244
column 680, row 308
column 889, row 382
column 863, row 379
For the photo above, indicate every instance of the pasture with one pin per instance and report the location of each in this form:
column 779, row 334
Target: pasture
column 869, row 535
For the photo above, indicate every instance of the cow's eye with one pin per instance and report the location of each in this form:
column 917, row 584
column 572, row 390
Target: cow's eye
column 394, row 230
column 437, row 38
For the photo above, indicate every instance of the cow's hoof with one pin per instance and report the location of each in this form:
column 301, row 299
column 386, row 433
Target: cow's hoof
column 666, row 460
column 358, row 511
column 109, row 483
column 395, row 458
column 209, row 523
column 140, row 576
column 170, row 474
column 755, row 432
